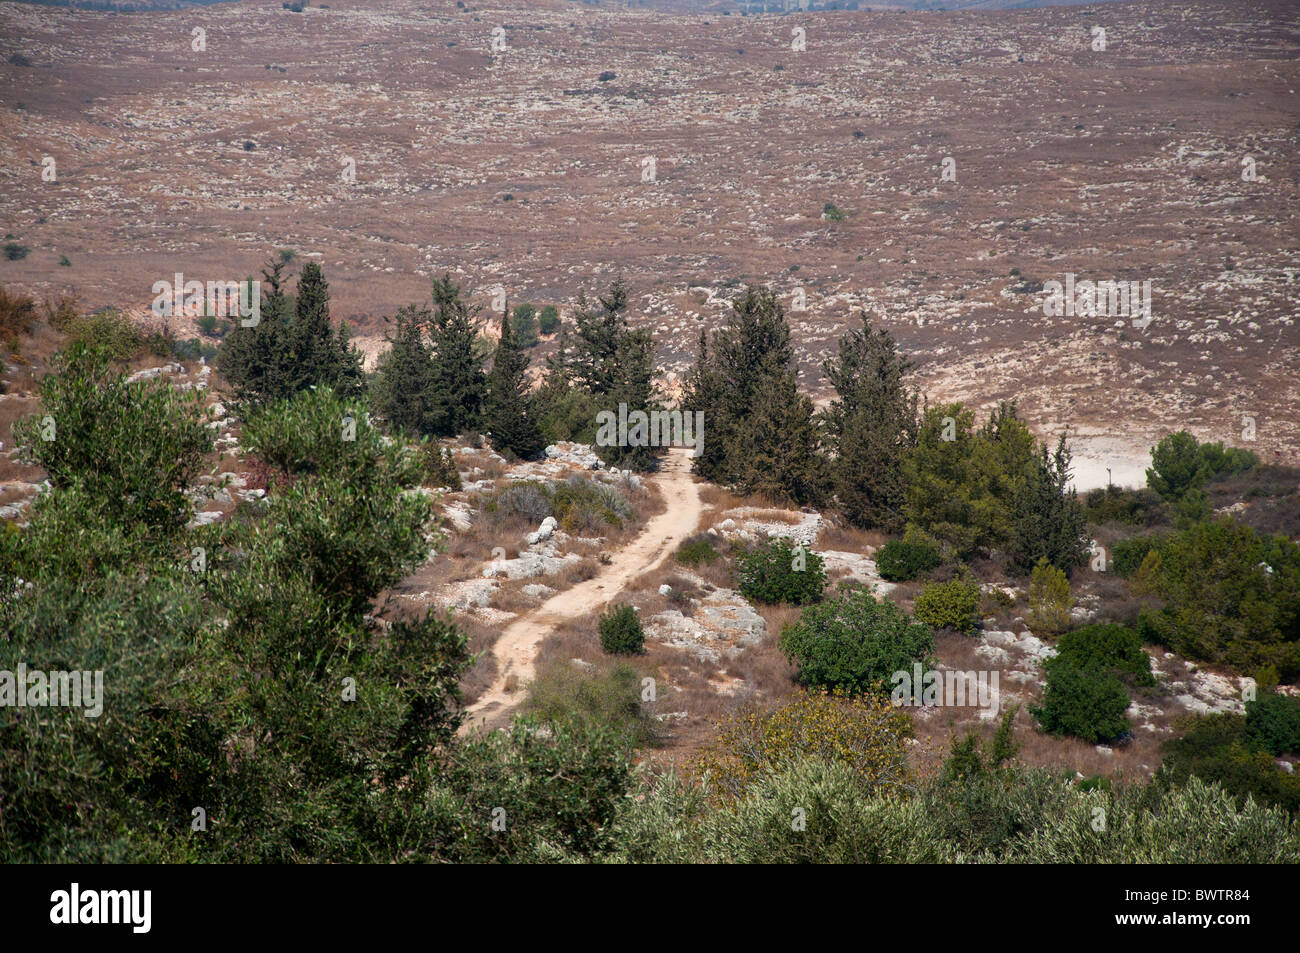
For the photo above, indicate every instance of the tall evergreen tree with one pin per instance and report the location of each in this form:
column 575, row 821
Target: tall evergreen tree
column 598, row 334
column 404, row 390
column 759, row 431
column 1049, row 520
column 509, row 416
column 318, row 353
column 459, row 384
column 284, row 354
column 871, row 426
column 598, row 365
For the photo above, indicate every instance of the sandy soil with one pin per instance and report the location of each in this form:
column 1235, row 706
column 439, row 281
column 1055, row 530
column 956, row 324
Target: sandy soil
column 516, row 649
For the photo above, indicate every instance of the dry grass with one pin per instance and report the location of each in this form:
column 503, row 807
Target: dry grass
column 839, row 536
column 481, row 674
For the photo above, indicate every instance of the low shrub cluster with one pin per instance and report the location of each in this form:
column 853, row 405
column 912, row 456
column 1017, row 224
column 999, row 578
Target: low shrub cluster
column 902, row 561
column 621, row 632
column 853, row 643
column 780, row 572
column 1086, row 694
column 949, row 605
column 697, row 550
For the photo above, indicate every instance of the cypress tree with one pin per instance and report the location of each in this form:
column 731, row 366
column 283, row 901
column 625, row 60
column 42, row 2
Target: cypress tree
column 284, row 354
column 760, row 435
column 871, row 427
column 1048, row 520
column 509, row 415
column 459, row 384
column 404, row 383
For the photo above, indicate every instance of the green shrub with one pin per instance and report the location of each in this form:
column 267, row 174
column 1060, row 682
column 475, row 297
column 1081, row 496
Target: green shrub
column 610, row 700
column 1217, row 749
column 1089, row 703
column 696, row 549
column 1127, row 554
column 523, row 321
column 108, row 330
column 1181, row 465
column 1273, row 723
column 526, row 501
column 15, row 251
column 1050, row 601
column 1113, row 504
column 440, row 466
column 586, row 506
column 1231, row 596
column 1111, row 648
column 949, row 605
column 831, row 213
column 902, row 561
column 549, row 319
column 135, row 448
column 621, row 632
column 781, row 572
column 309, row 434
column 556, row 793
column 854, row 643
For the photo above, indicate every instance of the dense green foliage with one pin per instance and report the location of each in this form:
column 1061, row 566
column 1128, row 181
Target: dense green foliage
column 600, row 363
column 1231, row 596
column 901, row 560
column 762, row 437
column 1220, row 749
column 1128, row 554
column 132, row 448
column 696, row 550
column 1086, row 695
column 871, row 426
column 1048, row 522
column 1113, row 504
column 611, row 699
column 781, row 571
column 404, row 391
column 1112, row 648
column 621, row 632
column 949, row 605
column 1089, row 703
column 960, row 482
column 854, row 643
column 1273, row 723
column 1180, row 465
column 509, row 410
column 294, row 345
column 1050, row 601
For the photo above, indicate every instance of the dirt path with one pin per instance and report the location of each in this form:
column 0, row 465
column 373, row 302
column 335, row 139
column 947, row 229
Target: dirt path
column 516, row 650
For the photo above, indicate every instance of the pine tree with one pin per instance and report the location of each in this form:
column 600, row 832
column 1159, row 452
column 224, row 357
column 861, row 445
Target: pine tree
column 776, row 446
column 509, row 415
column 759, row 431
column 598, row 334
column 601, row 363
column 317, row 353
column 284, row 354
column 404, row 389
column 871, row 426
column 459, row 384
column 1049, row 521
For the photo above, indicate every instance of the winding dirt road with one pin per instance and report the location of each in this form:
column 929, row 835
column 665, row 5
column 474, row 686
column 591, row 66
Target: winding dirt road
column 516, row 650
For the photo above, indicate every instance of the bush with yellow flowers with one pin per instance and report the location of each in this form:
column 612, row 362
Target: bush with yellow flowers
column 865, row 734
